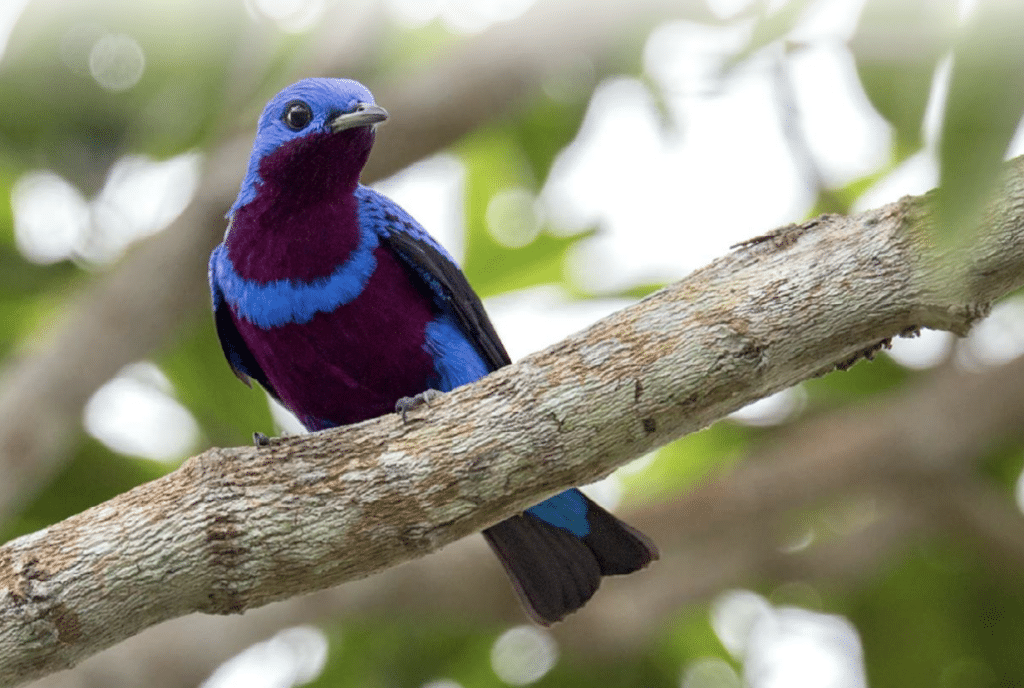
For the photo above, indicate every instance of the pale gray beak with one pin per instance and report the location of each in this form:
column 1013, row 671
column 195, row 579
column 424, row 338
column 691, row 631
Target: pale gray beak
column 365, row 114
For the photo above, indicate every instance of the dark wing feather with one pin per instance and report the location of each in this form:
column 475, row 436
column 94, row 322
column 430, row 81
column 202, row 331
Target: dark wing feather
column 439, row 272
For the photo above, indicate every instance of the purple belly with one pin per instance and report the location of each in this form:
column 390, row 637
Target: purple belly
column 355, row 362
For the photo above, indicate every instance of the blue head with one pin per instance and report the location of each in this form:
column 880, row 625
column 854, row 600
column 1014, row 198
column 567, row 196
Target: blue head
column 303, row 113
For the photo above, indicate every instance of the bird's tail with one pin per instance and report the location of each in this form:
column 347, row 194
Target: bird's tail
column 555, row 572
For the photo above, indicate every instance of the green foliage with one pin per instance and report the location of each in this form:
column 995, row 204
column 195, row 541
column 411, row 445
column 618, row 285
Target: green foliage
column 772, row 26
column 403, row 49
column 862, row 381
column 227, row 411
column 690, row 636
column 545, row 128
column 387, row 653
column 497, row 161
column 679, row 466
column 941, row 617
column 899, row 89
column 986, row 101
column 25, row 288
column 1004, row 464
column 405, row 654
column 86, row 127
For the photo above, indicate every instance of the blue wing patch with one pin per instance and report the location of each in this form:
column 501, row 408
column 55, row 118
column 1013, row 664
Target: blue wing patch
column 456, row 359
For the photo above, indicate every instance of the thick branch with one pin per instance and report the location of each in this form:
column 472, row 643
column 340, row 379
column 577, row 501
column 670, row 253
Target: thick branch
column 724, row 533
column 237, row 528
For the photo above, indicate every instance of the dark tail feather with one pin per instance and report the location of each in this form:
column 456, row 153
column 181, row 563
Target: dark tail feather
column 553, row 571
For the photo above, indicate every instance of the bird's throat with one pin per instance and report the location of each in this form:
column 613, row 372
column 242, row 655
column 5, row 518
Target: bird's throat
column 315, row 168
column 302, row 222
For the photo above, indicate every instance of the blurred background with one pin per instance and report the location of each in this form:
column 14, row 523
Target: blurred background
column 862, row 528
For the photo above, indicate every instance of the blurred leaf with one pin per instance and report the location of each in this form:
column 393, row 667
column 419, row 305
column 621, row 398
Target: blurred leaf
column 27, row 290
column 691, row 636
column 406, row 653
column 31, row 296
column 986, row 101
column 541, row 261
column 849, row 194
column 549, row 125
column 495, row 161
column 1003, row 464
column 671, row 124
column 20, row 278
column 771, row 25
column 637, row 291
column 82, row 127
column 401, row 654
column 897, row 47
column 404, row 49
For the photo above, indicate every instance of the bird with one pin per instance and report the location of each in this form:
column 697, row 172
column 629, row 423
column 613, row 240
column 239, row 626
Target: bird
column 343, row 308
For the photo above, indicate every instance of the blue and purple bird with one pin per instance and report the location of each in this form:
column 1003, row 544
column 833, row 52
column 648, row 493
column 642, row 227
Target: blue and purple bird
column 340, row 304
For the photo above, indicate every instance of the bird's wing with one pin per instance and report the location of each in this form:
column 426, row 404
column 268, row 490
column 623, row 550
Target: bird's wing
column 438, row 270
column 243, row 363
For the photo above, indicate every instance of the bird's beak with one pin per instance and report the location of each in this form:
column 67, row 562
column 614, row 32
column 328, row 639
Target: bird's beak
column 365, row 114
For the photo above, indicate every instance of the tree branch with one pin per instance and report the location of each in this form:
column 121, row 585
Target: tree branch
column 238, row 528
column 726, row 532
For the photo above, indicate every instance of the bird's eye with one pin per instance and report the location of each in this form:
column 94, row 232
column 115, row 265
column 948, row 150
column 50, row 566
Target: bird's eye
column 297, row 115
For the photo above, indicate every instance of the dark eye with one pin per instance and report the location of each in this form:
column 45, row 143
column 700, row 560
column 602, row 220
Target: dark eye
column 297, row 115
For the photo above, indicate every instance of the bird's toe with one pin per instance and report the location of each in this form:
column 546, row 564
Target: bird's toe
column 406, row 404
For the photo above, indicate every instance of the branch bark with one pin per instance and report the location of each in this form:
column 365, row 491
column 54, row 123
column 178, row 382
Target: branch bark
column 919, row 445
column 726, row 532
column 238, row 528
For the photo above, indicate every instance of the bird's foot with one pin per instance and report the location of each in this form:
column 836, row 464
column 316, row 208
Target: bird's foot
column 260, row 440
column 406, row 404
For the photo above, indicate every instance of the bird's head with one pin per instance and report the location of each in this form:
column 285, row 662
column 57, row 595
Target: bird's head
column 314, row 128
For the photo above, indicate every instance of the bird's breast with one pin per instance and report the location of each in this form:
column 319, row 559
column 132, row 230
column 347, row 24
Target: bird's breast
column 355, row 361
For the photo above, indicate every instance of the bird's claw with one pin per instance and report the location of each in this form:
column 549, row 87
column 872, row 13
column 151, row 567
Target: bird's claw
column 406, row 404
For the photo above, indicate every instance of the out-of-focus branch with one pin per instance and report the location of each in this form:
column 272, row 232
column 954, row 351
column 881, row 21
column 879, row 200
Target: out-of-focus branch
column 140, row 303
column 512, row 62
column 977, row 511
